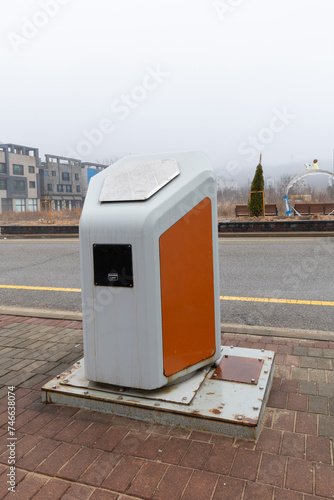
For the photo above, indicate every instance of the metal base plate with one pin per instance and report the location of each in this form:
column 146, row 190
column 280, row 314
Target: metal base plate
column 202, row 402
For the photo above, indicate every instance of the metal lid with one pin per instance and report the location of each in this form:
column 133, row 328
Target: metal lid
column 135, row 181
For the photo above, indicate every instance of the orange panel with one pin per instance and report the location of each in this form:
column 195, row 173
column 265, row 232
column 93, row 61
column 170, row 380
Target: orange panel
column 187, row 290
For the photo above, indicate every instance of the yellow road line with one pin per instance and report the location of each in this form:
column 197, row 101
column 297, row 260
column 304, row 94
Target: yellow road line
column 279, row 301
column 223, row 297
column 42, row 288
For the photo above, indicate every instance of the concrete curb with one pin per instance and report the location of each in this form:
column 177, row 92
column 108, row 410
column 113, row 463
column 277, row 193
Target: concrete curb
column 270, row 331
column 266, row 234
column 262, row 331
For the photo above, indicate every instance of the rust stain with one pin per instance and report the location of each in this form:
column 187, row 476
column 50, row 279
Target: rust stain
column 215, row 411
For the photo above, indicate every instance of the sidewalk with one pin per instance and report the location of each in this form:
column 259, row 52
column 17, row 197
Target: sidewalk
column 69, row 453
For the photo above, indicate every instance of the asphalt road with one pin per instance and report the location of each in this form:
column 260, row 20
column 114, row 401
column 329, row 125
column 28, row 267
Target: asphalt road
column 266, row 268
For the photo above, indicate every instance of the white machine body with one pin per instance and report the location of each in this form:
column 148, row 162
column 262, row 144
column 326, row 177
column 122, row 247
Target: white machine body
column 149, row 270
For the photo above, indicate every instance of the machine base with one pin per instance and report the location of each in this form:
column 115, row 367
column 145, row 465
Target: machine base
column 228, row 397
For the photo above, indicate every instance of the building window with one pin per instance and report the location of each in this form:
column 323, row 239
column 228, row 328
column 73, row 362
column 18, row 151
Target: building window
column 32, row 204
column 32, row 184
column 59, row 188
column 49, row 187
column 19, row 186
column 6, row 204
column 3, row 184
column 41, row 171
column 31, row 170
column 78, row 189
column 65, row 176
column 17, row 169
column 53, row 173
column 76, row 176
column 20, row 205
column 2, row 168
column 68, row 189
column 58, row 205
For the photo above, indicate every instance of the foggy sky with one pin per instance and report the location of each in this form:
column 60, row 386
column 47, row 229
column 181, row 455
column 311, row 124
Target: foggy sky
column 99, row 79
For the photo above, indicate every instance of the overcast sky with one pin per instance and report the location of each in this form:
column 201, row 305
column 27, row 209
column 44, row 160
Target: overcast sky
column 95, row 79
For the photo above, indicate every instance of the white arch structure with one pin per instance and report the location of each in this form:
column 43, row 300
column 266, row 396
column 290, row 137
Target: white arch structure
column 296, row 179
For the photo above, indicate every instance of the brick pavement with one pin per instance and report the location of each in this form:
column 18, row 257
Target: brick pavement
column 70, row 453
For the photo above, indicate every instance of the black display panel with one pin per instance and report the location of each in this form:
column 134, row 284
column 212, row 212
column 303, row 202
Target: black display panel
column 113, row 265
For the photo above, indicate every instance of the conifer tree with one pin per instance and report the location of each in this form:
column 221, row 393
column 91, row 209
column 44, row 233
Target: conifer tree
column 255, row 204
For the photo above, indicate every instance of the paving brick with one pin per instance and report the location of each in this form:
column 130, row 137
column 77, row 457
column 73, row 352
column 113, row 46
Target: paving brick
column 147, row 479
column 71, row 431
column 78, row 491
column 91, row 434
column 289, row 386
column 291, row 360
column 318, row 404
column 57, row 459
column 283, row 420
column 317, row 375
column 318, row 449
column 173, row 483
column 300, row 373
column 200, row 486
column 100, row 468
column 283, row 371
column 174, row 450
column 29, row 486
column 326, row 426
column 106, row 495
column 306, row 387
column 300, row 351
column 229, row 488
column 269, row 441
column 221, row 459
column 123, row 474
column 246, row 464
column 297, row 402
column 282, row 494
column 331, row 406
column 326, row 390
column 306, row 423
column 272, row 469
column 34, row 381
column 36, row 423
column 299, row 475
column 53, row 427
column 37, row 455
column 324, row 480
column 111, row 438
column 24, row 418
column 52, row 490
column 330, row 377
column 315, row 351
column 131, row 443
column 324, row 364
column 293, row 445
column 201, row 436
column 258, row 491
column 197, row 454
column 77, row 465
column 277, row 399
column 308, row 362
column 152, row 447
column 329, row 353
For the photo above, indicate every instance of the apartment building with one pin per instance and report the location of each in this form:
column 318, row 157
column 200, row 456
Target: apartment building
column 61, row 182
column 19, row 182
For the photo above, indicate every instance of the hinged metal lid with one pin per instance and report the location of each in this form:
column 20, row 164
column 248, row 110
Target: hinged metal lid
column 135, row 181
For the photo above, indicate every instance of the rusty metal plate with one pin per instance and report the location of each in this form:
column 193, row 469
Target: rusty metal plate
column 238, row 369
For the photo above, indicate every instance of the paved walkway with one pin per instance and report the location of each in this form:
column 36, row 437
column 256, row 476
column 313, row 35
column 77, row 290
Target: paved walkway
column 69, row 453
